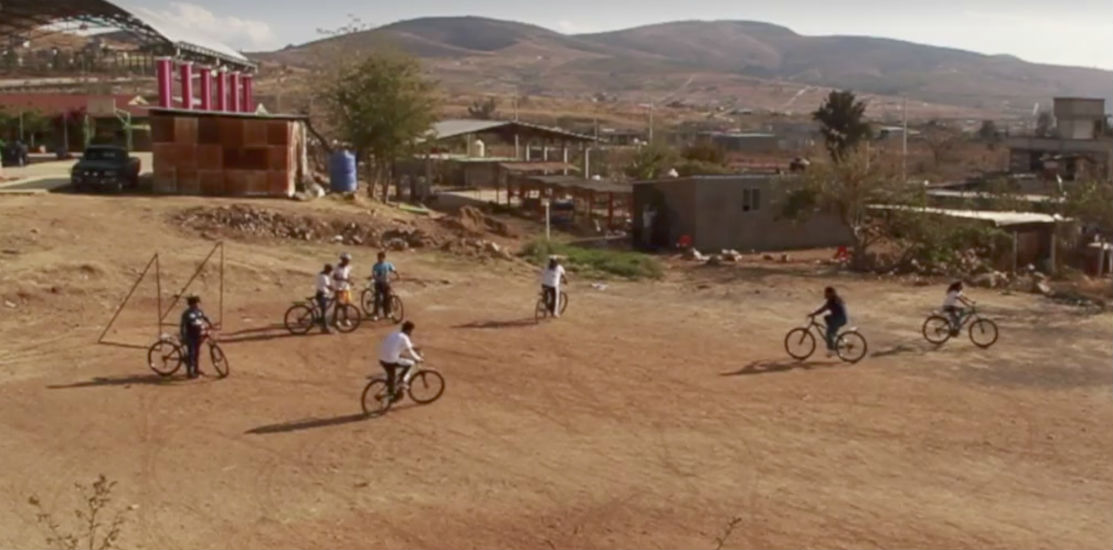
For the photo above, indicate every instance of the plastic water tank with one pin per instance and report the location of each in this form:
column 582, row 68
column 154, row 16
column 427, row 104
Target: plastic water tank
column 342, row 172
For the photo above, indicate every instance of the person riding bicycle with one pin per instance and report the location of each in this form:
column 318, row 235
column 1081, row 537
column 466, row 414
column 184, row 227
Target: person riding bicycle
column 551, row 279
column 192, row 329
column 391, row 357
column 323, row 293
column 951, row 306
column 342, row 279
column 836, row 317
column 381, row 277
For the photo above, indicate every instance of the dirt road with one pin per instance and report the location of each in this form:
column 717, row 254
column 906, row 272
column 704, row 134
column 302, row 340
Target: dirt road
column 650, row 416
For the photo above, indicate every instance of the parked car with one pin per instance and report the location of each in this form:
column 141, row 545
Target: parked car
column 14, row 154
column 105, row 168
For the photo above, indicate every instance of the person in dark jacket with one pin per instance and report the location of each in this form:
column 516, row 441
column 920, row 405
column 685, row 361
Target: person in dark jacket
column 192, row 329
column 836, row 316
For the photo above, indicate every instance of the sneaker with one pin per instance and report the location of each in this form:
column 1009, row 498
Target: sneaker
column 830, row 353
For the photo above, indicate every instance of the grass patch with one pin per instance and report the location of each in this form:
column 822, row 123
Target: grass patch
column 595, row 262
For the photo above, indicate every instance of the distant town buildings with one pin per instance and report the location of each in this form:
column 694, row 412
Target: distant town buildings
column 1079, row 147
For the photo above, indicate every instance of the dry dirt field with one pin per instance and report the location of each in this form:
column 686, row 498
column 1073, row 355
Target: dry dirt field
column 650, row 416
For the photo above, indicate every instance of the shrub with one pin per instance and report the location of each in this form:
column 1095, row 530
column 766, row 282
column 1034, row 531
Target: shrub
column 595, row 262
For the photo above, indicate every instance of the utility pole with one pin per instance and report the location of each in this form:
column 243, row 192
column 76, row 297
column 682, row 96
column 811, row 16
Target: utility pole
column 904, row 141
column 651, row 123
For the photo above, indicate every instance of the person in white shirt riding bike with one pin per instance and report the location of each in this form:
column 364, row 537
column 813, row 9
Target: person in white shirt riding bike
column 323, row 293
column 551, row 278
column 392, row 357
column 952, row 308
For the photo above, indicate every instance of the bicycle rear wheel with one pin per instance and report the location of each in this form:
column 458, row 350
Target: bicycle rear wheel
column 376, row 400
column 164, row 357
column 299, row 319
column 347, row 317
column 937, row 329
column 983, row 333
column 851, row 347
column 426, row 387
column 800, row 343
column 397, row 310
column 563, row 302
column 220, row 361
column 367, row 302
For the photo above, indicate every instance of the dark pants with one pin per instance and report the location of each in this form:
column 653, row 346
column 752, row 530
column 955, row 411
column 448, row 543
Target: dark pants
column 550, row 298
column 322, row 304
column 833, row 326
column 382, row 298
column 955, row 315
column 394, row 371
column 193, row 354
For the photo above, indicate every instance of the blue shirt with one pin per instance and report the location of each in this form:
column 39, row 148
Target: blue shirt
column 193, row 323
column 837, row 308
column 381, row 271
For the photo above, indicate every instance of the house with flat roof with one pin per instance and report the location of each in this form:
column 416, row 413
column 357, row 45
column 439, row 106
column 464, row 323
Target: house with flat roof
column 1079, row 147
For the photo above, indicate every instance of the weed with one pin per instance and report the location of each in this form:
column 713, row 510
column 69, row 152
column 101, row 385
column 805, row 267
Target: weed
column 90, row 532
column 596, row 262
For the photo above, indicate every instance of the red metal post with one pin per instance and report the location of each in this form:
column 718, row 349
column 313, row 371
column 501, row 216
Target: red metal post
column 206, row 88
column 234, row 92
column 222, row 90
column 162, row 73
column 187, row 84
column 247, row 101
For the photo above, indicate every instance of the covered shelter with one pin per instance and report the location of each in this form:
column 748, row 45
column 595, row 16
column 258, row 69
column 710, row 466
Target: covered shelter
column 517, row 140
column 601, row 199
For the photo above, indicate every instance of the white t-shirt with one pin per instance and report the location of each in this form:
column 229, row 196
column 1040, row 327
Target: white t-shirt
column 551, row 277
column 393, row 346
column 324, row 283
column 952, row 298
column 341, row 275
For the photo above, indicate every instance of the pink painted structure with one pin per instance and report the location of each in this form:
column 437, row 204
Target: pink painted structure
column 235, row 91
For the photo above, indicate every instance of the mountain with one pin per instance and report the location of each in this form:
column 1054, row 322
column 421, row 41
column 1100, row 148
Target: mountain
column 753, row 62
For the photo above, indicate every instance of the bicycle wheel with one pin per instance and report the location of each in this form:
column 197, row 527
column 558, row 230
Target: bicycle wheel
column 800, row 343
column 164, row 357
column 541, row 311
column 563, row 302
column 220, row 361
column 426, row 387
column 397, row 310
column 367, row 302
column 375, row 401
column 300, row 318
column 937, row 329
column 983, row 333
column 851, row 347
column 346, row 317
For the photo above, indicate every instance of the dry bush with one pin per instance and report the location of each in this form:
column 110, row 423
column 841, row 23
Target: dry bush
column 89, row 530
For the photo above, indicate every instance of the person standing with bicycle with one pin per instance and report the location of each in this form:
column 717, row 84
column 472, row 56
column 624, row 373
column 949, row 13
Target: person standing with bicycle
column 192, row 330
column 381, row 274
column 551, row 279
column 951, row 306
column 392, row 359
column 835, row 319
column 322, row 295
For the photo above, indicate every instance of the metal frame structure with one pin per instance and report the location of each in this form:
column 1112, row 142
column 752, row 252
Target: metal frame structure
column 20, row 20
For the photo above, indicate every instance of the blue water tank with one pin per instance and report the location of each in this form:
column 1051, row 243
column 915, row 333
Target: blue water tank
column 342, row 172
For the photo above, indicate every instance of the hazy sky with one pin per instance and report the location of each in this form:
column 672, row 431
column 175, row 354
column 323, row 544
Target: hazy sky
column 1073, row 32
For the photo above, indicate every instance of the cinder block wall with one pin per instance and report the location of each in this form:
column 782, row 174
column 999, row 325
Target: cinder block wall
column 216, row 154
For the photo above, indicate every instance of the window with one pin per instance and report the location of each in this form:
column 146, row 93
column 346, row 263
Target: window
column 751, row 200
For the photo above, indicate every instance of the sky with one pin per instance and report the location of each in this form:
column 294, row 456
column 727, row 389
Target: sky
column 1076, row 32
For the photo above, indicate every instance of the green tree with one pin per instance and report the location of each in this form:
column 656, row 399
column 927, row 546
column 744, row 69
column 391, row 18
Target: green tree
column 484, row 109
column 651, row 161
column 1045, row 124
column 1090, row 202
column 842, row 123
column 380, row 104
column 705, row 151
column 988, row 132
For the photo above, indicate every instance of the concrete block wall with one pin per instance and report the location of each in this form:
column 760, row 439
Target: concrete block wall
column 215, row 154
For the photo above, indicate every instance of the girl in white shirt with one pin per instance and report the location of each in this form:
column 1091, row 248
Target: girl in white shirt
column 551, row 279
column 951, row 305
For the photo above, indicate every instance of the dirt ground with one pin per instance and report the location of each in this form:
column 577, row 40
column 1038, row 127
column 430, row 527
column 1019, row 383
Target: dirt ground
column 650, row 416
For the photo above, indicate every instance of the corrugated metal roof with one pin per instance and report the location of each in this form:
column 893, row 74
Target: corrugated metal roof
column 948, row 193
column 450, row 128
column 1000, row 219
column 179, row 34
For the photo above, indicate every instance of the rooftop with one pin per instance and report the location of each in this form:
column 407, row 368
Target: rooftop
column 506, row 129
column 999, row 219
column 55, row 104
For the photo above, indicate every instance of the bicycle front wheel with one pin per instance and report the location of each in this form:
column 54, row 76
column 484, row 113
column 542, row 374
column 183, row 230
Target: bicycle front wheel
column 563, row 302
column 220, row 361
column 367, row 301
column 397, row 310
column 800, row 343
column 983, row 333
column 851, row 347
column 541, row 311
column 299, row 319
column 376, row 400
column 347, row 317
column 937, row 329
column 164, row 357
column 426, row 387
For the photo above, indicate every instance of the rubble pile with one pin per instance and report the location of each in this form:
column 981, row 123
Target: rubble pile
column 472, row 220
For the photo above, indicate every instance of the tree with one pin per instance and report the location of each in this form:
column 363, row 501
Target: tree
column 705, row 151
column 651, row 161
column 483, row 109
column 379, row 104
column 988, row 131
column 942, row 141
column 842, row 123
column 846, row 189
column 1091, row 203
column 1045, row 124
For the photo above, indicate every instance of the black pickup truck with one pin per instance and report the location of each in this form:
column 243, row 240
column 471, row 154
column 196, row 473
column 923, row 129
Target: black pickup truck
column 105, row 168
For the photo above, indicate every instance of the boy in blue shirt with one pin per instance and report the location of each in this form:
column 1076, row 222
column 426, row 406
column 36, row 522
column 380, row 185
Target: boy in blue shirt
column 836, row 316
column 381, row 275
column 192, row 330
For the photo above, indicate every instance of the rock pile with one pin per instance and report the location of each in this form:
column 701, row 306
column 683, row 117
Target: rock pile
column 473, row 221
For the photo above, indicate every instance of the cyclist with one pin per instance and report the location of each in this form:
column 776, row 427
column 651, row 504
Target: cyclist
column 192, row 329
column 951, row 306
column 391, row 357
column 324, row 292
column 342, row 279
column 836, row 317
column 380, row 275
column 551, row 279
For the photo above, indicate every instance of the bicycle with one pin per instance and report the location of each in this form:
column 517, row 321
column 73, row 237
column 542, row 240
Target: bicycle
column 423, row 384
column 850, row 345
column 367, row 302
column 541, row 310
column 167, row 354
column 304, row 315
column 938, row 328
